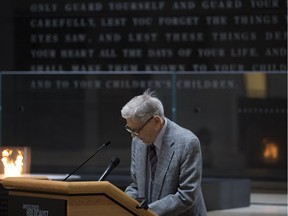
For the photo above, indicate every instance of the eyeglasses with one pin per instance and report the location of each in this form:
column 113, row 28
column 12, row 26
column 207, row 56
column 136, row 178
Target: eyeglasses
column 136, row 132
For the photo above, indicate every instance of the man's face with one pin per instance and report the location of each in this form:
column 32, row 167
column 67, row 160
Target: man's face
column 145, row 131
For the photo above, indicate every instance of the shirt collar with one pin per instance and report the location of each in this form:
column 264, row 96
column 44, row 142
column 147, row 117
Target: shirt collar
column 159, row 138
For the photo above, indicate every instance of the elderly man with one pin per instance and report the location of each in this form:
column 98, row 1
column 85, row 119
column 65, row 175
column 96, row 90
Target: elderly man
column 166, row 161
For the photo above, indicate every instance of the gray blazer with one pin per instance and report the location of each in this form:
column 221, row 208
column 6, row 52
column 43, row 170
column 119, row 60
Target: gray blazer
column 177, row 183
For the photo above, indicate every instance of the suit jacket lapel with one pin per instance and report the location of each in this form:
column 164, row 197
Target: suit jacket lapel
column 164, row 160
column 142, row 168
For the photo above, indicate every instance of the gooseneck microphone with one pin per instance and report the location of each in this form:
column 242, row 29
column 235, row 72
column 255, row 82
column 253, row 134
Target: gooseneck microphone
column 114, row 162
column 102, row 146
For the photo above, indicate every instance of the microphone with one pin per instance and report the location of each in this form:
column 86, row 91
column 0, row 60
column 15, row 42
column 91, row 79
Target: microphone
column 114, row 162
column 102, row 146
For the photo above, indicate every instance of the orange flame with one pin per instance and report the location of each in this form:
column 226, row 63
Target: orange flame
column 12, row 167
column 271, row 152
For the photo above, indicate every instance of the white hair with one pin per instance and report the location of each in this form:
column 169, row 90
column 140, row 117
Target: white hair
column 143, row 107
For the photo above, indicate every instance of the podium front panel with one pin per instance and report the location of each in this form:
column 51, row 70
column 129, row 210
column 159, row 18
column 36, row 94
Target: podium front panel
column 30, row 206
column 41, row 204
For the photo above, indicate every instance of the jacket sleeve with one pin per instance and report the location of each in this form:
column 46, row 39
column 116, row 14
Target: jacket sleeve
column 132, row 189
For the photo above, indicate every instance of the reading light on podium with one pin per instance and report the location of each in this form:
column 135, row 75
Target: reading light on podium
column 15, row 161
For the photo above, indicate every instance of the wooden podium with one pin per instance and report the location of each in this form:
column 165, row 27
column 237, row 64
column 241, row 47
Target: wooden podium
column 58, row 198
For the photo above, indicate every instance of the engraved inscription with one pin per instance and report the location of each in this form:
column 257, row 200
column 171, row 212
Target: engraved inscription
column 185, row 35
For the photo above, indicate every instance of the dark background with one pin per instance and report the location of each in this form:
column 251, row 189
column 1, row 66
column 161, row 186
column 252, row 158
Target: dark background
column 65, row 125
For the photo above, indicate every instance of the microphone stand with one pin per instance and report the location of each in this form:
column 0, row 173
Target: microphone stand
column 104, row 145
